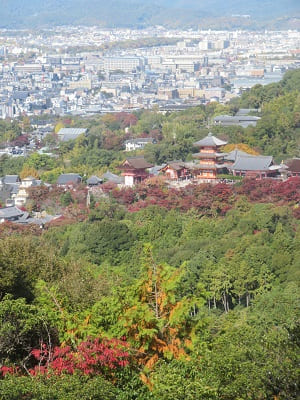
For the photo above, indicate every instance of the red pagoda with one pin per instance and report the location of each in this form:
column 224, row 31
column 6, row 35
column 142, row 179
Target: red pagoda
column 210, row 157
column 134, row 170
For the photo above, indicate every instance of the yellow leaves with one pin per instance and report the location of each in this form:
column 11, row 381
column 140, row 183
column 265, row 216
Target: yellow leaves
column 28, row 171
column 58, row 127
column 87, row 320
column 239, row 146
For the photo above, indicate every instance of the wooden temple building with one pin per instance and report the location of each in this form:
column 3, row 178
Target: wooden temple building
column 210, row 158
column 135, row 170
column 178, row 170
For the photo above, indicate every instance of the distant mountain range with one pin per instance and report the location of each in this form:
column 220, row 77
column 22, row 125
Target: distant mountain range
column 229, row 14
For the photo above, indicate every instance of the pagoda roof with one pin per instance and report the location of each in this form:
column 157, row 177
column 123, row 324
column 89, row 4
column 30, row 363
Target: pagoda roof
column 136, row 163
column 210, row 141
column 209, row 155
column 210, row 166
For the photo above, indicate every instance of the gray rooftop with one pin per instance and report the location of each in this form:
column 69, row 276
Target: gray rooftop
column 94, row 180
column 10, row 212
column 252, row 163
column 11, row 179
column 236, row 118
column 234, row 154
column 66, row 134
column 64, row 179
column 210, row 140
column 110, row 177
column 241, row 120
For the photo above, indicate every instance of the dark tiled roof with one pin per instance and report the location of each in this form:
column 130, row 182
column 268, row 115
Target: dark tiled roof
column 94, row 180
column 210, row 140
column 10, row 212
column 110, row 177
column 232, row 156
column 176, row 165
column 240, row 118
column 11, row 179
column 294, row 165
column 252, row 163
column 64, row 179
column 136, row 163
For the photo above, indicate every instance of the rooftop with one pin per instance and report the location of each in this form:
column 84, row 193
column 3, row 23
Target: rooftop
column 64, row 179
column 136, row 163
column 252, row 163
column 66, row 134
column 294, row 164
column 210, row 141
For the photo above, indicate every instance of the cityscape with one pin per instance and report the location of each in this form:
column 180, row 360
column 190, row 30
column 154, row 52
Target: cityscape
column 85, row 71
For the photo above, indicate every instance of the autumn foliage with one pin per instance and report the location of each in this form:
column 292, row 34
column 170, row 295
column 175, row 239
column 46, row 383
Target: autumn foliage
column 91, row 357
column 209, row 199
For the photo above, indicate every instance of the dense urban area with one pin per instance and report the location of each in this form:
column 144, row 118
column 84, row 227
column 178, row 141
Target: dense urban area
column 149, row 214
column 85, row 71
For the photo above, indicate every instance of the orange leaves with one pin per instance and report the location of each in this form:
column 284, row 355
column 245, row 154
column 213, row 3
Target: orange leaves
column 146, row 380
column 158, row 322
column 152, row 361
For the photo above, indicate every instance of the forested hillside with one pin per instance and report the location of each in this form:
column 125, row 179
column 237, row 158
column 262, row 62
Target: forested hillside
column 154, row 303
column 137, row 13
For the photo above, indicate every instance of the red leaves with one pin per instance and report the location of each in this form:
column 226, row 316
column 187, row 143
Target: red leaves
column 92, row 357
column 7, row 371
column 208, row 198
column 270, row 190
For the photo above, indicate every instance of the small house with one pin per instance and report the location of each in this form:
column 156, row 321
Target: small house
column 138, row 144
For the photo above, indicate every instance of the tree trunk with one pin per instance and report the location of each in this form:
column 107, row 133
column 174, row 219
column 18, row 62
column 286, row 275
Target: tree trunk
column 247, row 299
column 225, row 302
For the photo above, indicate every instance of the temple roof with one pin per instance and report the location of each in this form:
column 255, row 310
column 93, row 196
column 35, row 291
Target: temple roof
column 294, row 164
column 210, row 141
column 234, row 154
column 252, row 163
column 110, row 177
column 136, row 163
column 176, row 165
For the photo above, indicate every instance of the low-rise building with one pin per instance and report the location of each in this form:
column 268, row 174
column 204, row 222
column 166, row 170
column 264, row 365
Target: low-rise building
column 237, row 120
column 138, row 144
column 67, row 180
